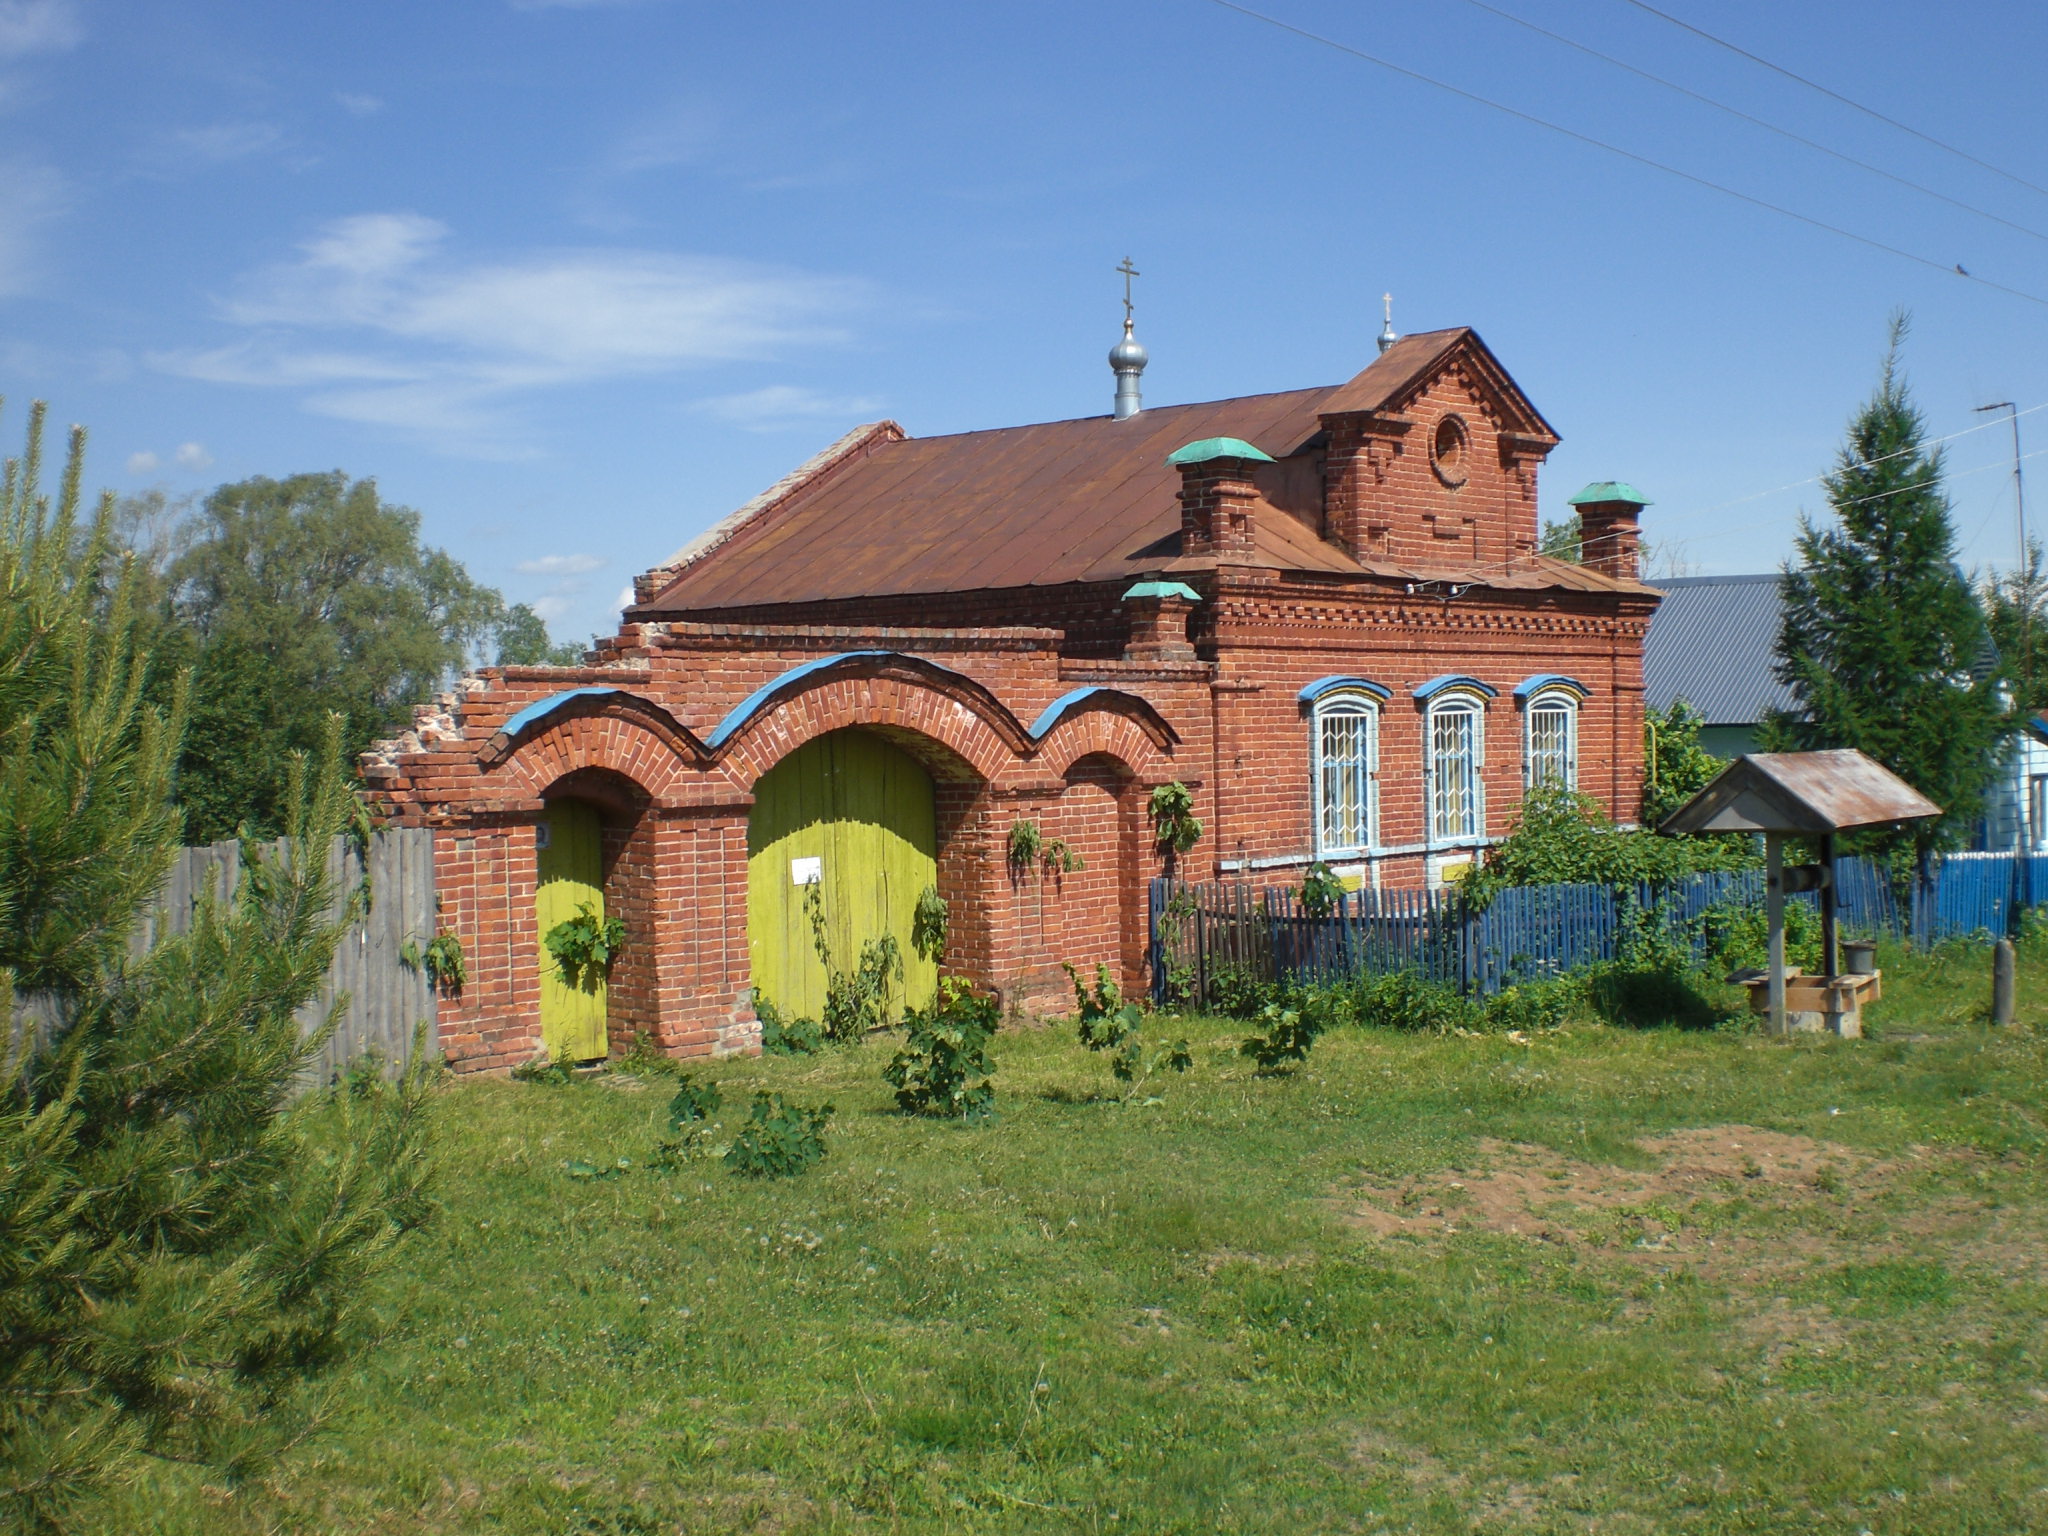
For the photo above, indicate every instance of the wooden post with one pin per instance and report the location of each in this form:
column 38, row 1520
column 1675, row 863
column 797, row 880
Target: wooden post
column 2002, row 982
column 1774, row 908
column 1829, row 960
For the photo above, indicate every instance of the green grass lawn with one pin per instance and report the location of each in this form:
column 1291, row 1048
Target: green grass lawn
column 1600, row 1281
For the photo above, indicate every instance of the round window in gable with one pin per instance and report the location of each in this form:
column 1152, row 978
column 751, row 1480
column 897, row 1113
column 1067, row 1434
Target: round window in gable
column 1447, row 451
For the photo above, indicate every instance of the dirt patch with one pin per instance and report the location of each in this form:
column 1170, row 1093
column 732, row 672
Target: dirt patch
column 1544, row 1195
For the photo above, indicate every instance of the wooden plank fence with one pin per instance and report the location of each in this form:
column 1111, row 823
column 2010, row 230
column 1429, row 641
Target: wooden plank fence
column 387, row 999
column 1208, row 941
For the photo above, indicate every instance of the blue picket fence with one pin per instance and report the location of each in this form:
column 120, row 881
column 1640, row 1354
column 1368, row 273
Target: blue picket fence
column 1207, row 938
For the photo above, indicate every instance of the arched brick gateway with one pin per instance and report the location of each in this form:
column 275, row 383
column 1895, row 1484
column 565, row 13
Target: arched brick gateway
column 674, row 776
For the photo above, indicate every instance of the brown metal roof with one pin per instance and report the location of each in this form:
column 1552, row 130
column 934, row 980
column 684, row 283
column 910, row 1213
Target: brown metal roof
column 1063, row 501
column 1801, row 792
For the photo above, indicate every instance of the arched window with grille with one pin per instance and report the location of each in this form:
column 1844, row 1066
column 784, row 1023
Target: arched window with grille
column 1344, row 763
column 1454, row 744
column 1550, row 731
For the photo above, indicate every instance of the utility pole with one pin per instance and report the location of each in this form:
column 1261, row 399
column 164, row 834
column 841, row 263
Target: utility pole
column 2019, row 485
column 2023, row 589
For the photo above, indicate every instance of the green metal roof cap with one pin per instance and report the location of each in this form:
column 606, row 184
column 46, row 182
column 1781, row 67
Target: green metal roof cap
column 1217, row 448
column 1163, row 589
column 1609, row 490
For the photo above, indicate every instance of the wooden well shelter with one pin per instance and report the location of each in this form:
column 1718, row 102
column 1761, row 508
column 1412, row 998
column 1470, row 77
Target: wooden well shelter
column 1815, row 795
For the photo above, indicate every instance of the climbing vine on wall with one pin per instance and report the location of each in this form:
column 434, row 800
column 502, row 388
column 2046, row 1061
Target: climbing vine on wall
column 1029, row 846
column 585, row 945
column 1174, row 822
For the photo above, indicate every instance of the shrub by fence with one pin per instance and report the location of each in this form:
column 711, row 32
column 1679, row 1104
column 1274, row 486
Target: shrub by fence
column 1213, row 941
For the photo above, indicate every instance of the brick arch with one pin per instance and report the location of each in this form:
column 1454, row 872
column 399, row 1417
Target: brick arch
column 1108, row 732
column 617, row 741
column 956, row 741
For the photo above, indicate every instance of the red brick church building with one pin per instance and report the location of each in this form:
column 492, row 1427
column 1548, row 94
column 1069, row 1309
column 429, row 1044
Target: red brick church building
column 1323, row 611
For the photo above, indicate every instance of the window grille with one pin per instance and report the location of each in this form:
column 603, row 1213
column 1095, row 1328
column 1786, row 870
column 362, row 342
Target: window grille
column 1347, row 753
column 1552, row 753
column 1457, row 798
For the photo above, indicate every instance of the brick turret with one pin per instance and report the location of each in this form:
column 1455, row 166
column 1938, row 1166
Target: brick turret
column 1610, row 539
column 1216, row 495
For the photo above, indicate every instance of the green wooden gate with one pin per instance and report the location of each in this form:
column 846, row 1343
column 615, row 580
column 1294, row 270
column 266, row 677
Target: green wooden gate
column 569, row 875
column 849, row 817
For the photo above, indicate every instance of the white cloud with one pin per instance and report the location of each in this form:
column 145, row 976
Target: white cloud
column 439, row 347
column 33, row 196
column 456, row 417
column 188, row 456
column 38, row 26
column 785, row 405
column 359, row 103
column 683, row 134
column 183, row 149
column 562, row 565
column 626, row 598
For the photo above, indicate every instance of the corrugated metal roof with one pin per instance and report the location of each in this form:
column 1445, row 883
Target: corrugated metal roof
column 1804, row 792
column 1066, row 501
column 1710, row 644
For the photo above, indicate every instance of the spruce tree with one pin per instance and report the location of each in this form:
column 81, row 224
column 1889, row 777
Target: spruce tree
column 2016, row 604
column 187, row 1240
column 1883, row 643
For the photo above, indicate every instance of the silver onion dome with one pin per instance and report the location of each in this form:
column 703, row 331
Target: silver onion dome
column 1128, row 358
column 1128, row 353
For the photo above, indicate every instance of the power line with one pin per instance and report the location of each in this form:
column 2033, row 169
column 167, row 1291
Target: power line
column 1765, row 522
column 1955, row 270
column 1815, row 85
column 1947, row 475
column 1778, row 490
column 1737, row 112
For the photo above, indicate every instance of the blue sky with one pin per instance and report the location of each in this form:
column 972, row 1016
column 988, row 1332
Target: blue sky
column 575, row 279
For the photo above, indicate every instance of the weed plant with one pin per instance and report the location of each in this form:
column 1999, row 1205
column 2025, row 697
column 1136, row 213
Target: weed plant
column 779, row 1140
column 786, row 1037
column 1105, row 1022
column 943, row 1067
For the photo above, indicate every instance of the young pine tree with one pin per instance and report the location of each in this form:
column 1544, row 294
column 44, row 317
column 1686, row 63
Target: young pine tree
column 183, row 1250
column 1883, row 643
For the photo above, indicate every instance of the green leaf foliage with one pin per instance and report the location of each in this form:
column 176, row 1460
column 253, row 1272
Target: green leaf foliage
column 1675, row 766
column 1321, row 891
column 290, row 599
column 857, row 1002
column 1884, row 645
column 779, row 1140
column 1175, row 825
column 943, row 1068
column 787, row 1037
column 1562, row 539
column 1105, row 1022
column 584, row 946
column 440, row 958
column 522, row 640
column 1290, row 1035
column 1561, row 836
column 183, row 1249
column 693, row 1103
column 928, row 925
column 2016, row 608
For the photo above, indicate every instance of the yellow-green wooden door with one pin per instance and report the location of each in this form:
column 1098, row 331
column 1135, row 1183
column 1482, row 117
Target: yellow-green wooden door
column 570, row 875
column 851, row 816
